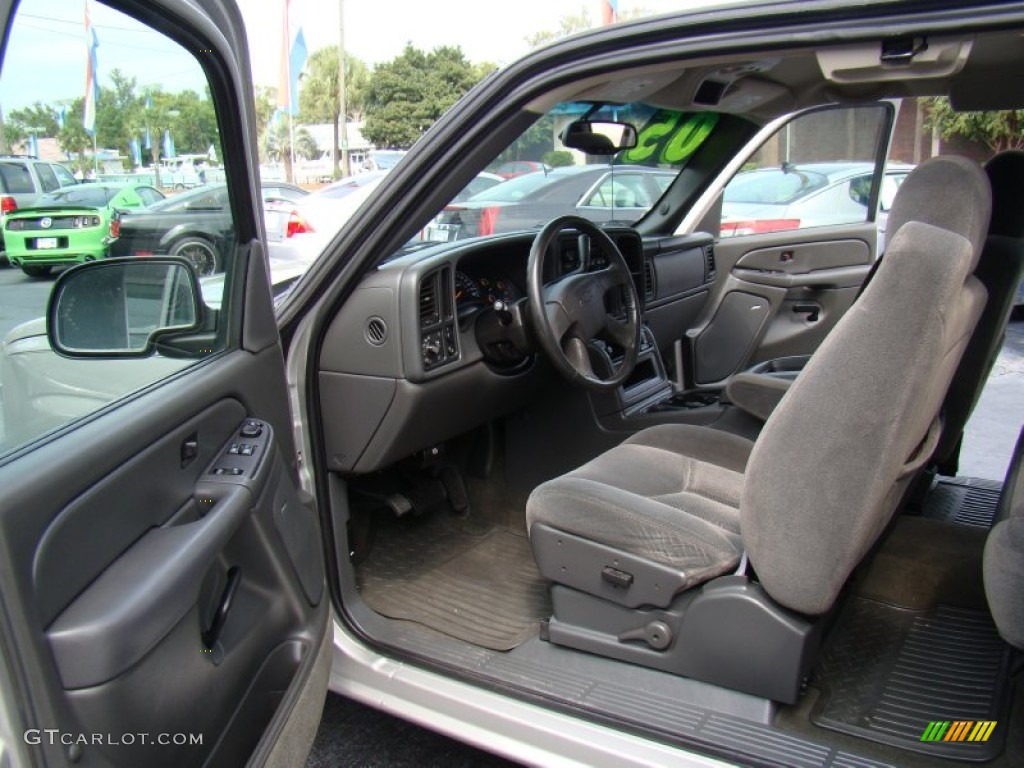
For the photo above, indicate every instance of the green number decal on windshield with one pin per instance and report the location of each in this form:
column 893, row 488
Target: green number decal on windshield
column 668, row 139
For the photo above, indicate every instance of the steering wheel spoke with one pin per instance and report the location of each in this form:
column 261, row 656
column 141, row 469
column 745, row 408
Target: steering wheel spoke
column 618, row 331
column 577, row 353
column 569, row 314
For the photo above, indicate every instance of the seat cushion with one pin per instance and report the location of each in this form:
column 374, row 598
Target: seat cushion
column 669, row 494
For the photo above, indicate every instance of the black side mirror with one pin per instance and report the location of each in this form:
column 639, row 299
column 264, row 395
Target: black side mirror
column 598, row 138
column 122, row 307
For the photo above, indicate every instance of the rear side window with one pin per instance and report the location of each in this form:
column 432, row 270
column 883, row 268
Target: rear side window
column 16, row 178
column 64, row 177
column 47, row 178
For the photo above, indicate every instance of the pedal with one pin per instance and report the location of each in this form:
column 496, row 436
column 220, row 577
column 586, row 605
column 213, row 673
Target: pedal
column 455, row 489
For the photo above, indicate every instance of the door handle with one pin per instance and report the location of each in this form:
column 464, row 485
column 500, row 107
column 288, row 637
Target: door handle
column 211, row 635
column 811, row 310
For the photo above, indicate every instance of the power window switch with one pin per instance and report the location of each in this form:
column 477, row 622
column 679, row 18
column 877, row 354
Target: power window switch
column 246, row 450
column 234, row 448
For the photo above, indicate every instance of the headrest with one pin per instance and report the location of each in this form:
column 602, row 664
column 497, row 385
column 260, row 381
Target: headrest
column 1006, row 173
column 948, row 192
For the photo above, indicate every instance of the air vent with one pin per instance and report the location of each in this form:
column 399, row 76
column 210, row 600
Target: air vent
column 709, row 262
column 439, row 338
column 429, row 312
column 649, row 284
column 376, row 331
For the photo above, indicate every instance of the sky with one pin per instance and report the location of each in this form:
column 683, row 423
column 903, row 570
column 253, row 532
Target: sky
column 46, row 52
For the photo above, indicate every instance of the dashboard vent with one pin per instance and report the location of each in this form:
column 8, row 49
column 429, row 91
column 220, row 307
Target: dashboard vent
column 376, row 331
column 429, row 310
column 709, row 261
column 649, row 283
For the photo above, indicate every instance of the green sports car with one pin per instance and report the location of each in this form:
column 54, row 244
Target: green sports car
column 70, row 225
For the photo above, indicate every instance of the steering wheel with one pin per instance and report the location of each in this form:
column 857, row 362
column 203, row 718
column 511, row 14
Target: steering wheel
column 569, row 315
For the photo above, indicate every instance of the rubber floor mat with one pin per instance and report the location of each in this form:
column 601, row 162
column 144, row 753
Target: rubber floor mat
column 487, row 592
column 964, row 500
column 918, row 680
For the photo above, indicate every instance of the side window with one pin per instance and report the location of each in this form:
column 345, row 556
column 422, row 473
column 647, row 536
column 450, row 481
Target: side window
column 816, row 171
column 149, row 195
column 47, row 178
column 64, row 177
column 149, row 114
column 16, row 179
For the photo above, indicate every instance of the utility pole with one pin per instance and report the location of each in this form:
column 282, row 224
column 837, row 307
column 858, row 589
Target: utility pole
column 342, row 105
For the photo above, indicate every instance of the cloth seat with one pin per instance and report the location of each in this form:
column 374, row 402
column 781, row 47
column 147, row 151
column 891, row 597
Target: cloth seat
column 810, row 497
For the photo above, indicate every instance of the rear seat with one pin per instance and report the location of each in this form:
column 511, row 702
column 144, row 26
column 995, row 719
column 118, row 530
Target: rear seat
column 1004, row 554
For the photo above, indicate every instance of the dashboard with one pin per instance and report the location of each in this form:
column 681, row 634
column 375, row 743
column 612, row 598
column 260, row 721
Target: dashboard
column 434, row 342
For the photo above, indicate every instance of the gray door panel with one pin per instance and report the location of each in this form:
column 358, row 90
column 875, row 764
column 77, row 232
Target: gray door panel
column 117, row 548
column 778, row 295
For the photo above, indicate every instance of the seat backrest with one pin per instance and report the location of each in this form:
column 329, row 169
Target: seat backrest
column 1004, row 554
column 834, row 458
column 999, row 268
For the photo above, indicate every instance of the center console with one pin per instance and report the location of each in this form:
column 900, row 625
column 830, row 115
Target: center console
column 647, row 397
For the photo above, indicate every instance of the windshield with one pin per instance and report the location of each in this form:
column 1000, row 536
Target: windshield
column 92, row 196
column 533, row 180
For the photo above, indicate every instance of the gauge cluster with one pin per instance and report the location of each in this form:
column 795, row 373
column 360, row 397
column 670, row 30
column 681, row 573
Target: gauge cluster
column 484, row 289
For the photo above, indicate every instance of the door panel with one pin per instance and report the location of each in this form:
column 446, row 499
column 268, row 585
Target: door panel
column 797, row 231
column 158, row 607
column 806, row 279
column 116, row 557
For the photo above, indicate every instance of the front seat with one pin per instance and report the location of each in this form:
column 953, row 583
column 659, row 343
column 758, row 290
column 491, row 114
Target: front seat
column 701, row 553
column 999, row 269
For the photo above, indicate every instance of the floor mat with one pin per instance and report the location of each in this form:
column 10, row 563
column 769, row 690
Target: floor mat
column 964, row 500
column 918, row 680
column 482, row 589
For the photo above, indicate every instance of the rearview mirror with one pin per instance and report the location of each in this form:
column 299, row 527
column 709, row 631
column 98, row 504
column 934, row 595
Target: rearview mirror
column 121, row 307
column 594, row 138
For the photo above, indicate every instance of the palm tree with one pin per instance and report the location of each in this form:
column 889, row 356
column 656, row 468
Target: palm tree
column 318, row 90
column 276, row 144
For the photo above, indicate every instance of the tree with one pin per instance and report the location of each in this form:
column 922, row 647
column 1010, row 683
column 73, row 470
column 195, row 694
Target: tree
column 997, row 130
column 406, row 95
column 40, row 119
column 578, row 22
column 276, row 145
column 567, row 25
column 318, row 90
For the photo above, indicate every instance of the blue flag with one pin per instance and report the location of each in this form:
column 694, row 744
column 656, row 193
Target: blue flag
column 147, row 139
column 33, row 145
column 169, row 145
column 133, row 147
column 296, row 61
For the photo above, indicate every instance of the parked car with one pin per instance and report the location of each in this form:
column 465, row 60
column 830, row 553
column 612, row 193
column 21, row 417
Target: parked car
column 793, row 196
column 358, row 488
column 513, row 168
column 71, row 225
column 195, row 225
column 601, row 193
column 383, row 159
column 22, row 180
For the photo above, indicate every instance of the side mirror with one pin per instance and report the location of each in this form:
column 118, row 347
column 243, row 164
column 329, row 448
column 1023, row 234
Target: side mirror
column 122, row 307
column 594, row 138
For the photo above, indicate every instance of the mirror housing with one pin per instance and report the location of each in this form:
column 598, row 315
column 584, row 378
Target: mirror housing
column 598, row 138
column 122, row 307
